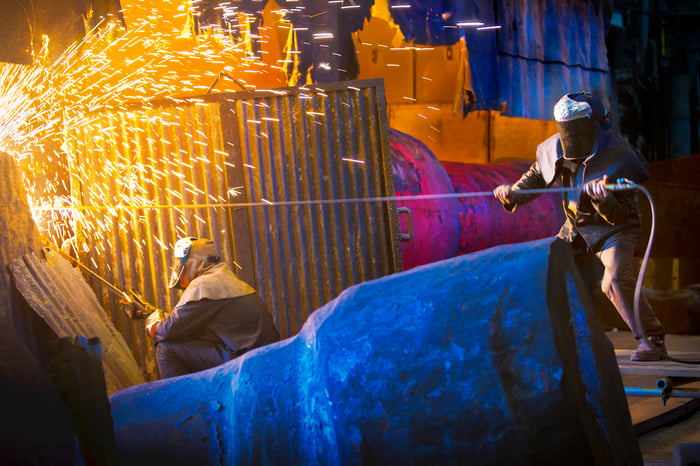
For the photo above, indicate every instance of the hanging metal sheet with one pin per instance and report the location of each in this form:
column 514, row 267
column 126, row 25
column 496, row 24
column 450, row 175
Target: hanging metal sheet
column 149, row 175
column 542, row 50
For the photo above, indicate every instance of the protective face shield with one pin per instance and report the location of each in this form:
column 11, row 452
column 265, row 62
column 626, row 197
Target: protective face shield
column 198, row 253
column 577, row 130
column 182, row 250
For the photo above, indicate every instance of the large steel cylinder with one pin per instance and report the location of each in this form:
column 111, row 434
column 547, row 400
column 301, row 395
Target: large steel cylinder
column 435, row 221
column 444, row 228
column 483, row 222
column 489, row 358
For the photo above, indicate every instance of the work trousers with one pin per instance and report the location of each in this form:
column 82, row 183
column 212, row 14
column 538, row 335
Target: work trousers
column 619, row 281
column 186, row 356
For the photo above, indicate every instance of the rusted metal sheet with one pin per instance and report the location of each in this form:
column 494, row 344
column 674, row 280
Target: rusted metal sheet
column 148, row 175
column 62, row 298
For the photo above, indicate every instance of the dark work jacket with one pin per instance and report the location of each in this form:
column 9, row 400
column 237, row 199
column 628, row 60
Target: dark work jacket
column 235, row 324
column 594, row 221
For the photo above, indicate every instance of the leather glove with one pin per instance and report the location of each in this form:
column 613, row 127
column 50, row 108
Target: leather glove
column 151, row 322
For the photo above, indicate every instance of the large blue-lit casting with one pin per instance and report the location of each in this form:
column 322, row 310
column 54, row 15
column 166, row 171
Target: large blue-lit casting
column 495, row 357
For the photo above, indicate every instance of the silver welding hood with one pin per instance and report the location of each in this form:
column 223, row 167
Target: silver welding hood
column 576, row 124
column 191, row 248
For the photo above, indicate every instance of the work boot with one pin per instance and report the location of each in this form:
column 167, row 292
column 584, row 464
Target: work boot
column 650, row 349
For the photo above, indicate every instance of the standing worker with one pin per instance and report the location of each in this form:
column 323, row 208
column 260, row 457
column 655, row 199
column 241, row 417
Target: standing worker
column 217, row 319
column 585, row 153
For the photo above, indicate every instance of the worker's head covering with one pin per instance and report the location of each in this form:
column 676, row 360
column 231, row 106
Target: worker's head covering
column 195, row 255
column 576, row 115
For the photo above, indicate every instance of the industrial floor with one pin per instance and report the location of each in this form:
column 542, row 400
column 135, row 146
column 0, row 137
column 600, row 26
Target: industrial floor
column 661, row 427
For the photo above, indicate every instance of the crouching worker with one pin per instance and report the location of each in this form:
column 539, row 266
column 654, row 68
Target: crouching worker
column 217, row 319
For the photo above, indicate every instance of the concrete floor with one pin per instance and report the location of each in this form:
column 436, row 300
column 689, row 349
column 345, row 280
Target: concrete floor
column 661, row 427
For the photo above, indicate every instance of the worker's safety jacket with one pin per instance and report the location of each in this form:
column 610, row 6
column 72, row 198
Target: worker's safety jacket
column 595, row 221
column 218, row 307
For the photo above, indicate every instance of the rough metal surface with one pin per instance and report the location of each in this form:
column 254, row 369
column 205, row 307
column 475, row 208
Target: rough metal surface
column 77, row 374
column 18, row 232
column 523, row 68
column 35, row 425
column 490, row 358
column 61, row 297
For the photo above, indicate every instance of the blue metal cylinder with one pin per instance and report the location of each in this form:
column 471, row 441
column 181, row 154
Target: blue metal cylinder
column 463, row 360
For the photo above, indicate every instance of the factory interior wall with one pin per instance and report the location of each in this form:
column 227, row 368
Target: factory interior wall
column 190, row 64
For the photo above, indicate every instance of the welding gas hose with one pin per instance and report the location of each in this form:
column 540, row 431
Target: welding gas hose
column 623, row 184
column 620, row 185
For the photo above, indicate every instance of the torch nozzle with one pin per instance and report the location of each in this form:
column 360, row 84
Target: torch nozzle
column 621, row 184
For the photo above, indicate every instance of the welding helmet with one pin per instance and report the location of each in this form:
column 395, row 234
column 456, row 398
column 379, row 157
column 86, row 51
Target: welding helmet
column 576, row 115
column 180, row 253
column 192, row 249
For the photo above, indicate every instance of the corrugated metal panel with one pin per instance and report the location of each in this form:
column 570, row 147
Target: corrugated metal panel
column 61, row 297
column 150, row 175
column 143, row 177
column 329, row 142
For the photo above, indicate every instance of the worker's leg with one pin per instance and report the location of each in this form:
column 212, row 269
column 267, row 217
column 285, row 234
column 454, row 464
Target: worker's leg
column 619, row 281
column 186, row 356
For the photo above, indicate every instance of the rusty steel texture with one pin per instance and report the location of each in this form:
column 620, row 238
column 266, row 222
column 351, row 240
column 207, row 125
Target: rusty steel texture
column 59, row 295
column 144, row 176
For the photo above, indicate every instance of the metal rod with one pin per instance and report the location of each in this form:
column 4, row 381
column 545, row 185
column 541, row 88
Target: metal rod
column 641, row 391
column 85, row 268
column 307, row 202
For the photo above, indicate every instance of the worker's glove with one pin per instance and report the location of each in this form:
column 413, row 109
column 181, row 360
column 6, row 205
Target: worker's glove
column 151, row 322
column 504, row 193
column 596, row 189
column 136, row 308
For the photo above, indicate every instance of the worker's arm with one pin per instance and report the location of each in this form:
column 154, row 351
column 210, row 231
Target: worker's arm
column 182, row 321
column 615, row 207
column 514, row 195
